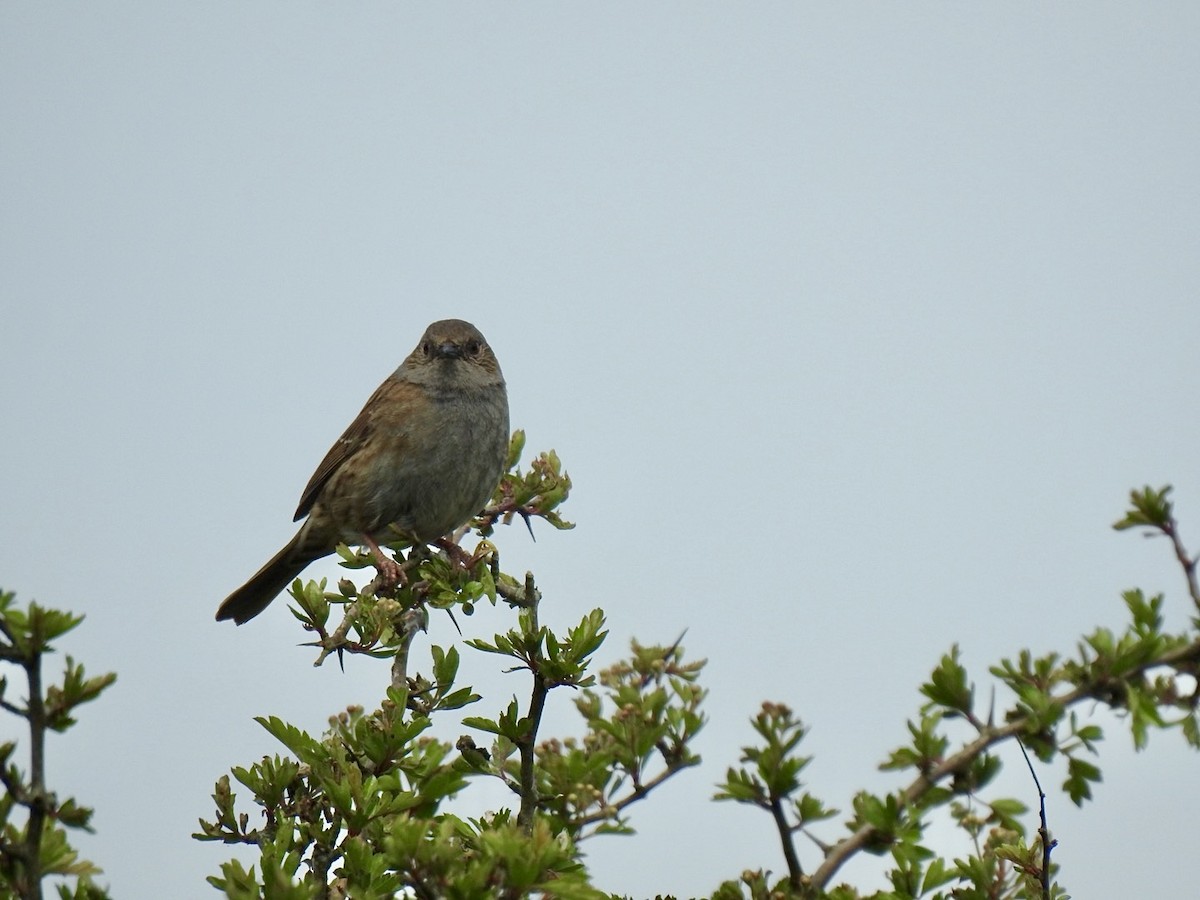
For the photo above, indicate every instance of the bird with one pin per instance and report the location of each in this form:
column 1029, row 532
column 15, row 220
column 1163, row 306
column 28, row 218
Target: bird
column 421, row 459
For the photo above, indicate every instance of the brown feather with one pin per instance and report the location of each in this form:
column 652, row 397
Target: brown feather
column 352, row 439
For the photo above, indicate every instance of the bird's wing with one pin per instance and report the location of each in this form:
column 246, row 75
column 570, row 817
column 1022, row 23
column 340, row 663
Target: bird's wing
column 346, row 446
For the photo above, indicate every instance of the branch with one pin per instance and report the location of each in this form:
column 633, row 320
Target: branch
column 529, row 792
column 989, row 735
column 795, row 873
column 36, row 801
column 521, row 597
column 537, row 703
column 14, row 709
column 639, row 793
column 412, row 621
column 844, row 849
column 10, row 653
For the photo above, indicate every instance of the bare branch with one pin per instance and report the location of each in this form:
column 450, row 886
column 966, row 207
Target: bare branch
column 1044, row 830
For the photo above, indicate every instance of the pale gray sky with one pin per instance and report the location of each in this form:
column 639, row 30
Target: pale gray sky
column 853, row 323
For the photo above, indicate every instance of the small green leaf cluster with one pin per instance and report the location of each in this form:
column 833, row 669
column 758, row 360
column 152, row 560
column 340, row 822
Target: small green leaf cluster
column 640, row 723
column 360, row 808
column 771, row 780
column 536, row 493
column 34, row 842
column 557, row 662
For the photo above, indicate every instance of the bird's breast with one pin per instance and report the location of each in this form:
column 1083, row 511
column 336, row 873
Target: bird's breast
column 425, row 474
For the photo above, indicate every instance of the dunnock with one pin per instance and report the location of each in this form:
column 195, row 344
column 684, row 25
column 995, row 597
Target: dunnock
column 423, row 456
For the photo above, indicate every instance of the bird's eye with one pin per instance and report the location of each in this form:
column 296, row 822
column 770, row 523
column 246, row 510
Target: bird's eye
column 473, row 348
column 426, row 347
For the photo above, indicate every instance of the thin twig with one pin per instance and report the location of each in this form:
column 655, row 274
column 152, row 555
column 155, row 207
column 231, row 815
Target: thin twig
column 632, row 797
column 13, row 708
column 1171, row 530
column 10, row 653
column 1044, row 830
column 335, row 641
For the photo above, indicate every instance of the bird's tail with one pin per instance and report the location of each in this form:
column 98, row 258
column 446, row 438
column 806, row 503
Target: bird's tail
column 269, row 582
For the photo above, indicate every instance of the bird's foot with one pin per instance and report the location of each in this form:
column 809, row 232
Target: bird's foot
column 391, row 573
column 457, row 554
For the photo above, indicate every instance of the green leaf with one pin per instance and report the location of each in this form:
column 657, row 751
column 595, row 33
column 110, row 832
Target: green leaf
column 1008, row 812
column 948, row 686
column 445, row 665
column 1080, row 775
column 936, row 875
column 481, row 724
column 306, row 748
column 515, row 447
column 1148, row 508
column 1147, row 614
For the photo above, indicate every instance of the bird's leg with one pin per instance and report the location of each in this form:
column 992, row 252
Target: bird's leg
column 389, row 570
column 456, row 553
